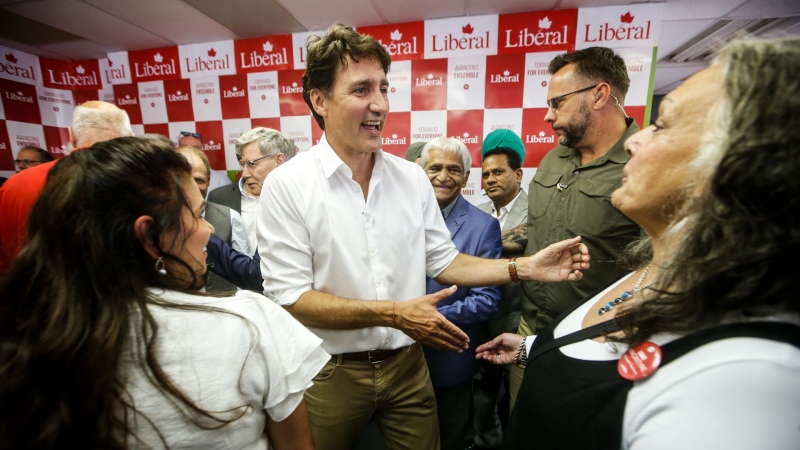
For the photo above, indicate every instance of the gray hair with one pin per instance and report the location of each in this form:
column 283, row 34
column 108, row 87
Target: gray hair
column 736, row 258
column 270, row 142
column 90, row 125
column 450, row 145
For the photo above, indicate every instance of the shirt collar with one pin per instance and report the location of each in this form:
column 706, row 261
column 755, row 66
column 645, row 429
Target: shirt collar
column 449, row 208
column 244, row 193
column 331, row 162
column 508, row 206
column 616, row 154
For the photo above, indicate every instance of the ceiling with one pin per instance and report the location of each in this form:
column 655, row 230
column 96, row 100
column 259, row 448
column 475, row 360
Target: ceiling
column 86, row 29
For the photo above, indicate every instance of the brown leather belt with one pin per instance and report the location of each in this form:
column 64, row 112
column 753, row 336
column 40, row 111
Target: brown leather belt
column 373, row 356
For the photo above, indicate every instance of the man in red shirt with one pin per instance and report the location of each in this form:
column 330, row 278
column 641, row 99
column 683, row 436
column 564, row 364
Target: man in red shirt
column 93, row 121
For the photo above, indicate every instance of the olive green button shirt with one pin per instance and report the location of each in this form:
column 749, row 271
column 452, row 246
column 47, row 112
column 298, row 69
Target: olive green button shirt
column 566, row 200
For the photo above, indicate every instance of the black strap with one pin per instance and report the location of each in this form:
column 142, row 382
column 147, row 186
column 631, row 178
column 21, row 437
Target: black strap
column 594, row 331
column 775, row 331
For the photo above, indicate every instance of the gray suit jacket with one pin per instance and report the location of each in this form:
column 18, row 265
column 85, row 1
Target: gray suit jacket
column 229, row 196
column 510, row 307
column 518, row 214
column 220, row 217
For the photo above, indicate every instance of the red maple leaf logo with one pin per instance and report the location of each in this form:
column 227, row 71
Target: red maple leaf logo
column 467, row 29
column 11, row 58
column 212, row 53
column 626, row 18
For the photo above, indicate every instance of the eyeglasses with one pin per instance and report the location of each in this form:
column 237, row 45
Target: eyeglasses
column 554, row 102
column 187, row 133
column 253, row 162
column 26, row 162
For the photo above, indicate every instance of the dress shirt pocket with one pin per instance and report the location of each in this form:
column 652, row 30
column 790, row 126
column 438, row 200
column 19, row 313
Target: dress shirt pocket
column 591, row 212
column 542, row 189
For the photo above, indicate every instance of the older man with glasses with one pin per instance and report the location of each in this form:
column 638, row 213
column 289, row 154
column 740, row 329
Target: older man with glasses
column 259, row 151
column 570, row 192
column 30, row 156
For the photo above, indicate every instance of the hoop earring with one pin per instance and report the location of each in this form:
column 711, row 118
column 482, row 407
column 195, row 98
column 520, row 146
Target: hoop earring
column 160, row 266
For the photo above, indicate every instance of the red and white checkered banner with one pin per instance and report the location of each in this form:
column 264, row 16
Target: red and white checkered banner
column 460, row 77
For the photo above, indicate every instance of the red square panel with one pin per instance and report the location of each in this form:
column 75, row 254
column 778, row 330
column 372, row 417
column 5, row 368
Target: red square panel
column 6, row 155
column 178, row 95
column 213, row 142
column 505, row 79
column 467, row 127
column 404, row 41
column 157, row 128
column 267, row 122
column 290, row 93
column 19, row 102
column 397, row 133
column 81, row 97
column 234, row 100
column 57, row 140
column 127, row 98
column 429, row 84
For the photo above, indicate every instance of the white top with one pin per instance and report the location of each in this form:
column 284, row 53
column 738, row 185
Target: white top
column 318, row 233
column 249, row 216
column 737, row 393
column 239, row 239
column 218, row 178
column 262, row 359
column 502, row 214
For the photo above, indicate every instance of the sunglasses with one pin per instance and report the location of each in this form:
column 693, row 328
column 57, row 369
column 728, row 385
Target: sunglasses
column 194, row 135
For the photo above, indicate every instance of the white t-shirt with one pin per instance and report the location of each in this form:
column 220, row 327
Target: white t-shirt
column 737, row 393
column 316, row 232
column 262, row 359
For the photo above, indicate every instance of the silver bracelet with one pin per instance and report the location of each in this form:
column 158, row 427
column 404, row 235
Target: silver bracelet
column 521, row 357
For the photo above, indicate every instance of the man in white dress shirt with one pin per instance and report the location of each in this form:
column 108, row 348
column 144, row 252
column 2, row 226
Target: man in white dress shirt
column 346, row 242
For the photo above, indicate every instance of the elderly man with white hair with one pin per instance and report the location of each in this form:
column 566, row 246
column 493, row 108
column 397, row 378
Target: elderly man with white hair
column 447, row 161
column 93, row 121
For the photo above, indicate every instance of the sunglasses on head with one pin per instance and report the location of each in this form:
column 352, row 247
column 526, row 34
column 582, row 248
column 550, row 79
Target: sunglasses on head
column 187, row 133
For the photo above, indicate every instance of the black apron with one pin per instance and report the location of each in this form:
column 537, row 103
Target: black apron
column 566, row 403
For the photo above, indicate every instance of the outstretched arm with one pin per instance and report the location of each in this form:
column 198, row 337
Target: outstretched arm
column 500, row 350
column 417, row 318
column 562, row 261
column 238, row 268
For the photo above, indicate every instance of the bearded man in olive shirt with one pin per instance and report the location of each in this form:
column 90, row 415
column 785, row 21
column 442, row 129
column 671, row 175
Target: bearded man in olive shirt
column 570, row 194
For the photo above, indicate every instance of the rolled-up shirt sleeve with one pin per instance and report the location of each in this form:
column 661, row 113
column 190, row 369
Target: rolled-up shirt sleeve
column 283, row 242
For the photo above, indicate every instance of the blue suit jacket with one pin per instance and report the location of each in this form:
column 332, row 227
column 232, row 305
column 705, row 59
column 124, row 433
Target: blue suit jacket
column 238, row 268
column 475, row 233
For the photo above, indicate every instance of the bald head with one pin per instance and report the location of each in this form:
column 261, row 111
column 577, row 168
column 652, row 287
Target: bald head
column 96, row 121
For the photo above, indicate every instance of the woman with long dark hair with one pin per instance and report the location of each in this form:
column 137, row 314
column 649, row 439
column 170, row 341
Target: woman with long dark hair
column 700, row 346
column 104, row 340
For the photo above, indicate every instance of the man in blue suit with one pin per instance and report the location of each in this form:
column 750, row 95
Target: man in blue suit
column 446, row 161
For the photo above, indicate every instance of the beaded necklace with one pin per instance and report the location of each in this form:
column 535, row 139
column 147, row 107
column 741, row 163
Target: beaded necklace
column 627, row 294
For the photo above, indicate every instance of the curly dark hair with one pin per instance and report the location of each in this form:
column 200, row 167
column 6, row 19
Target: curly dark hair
column 325, row 54
column 74, row 305
column 738, row 254
column 595, row 64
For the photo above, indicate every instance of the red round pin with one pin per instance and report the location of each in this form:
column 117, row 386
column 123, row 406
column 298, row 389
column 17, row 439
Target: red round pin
column 640, row 361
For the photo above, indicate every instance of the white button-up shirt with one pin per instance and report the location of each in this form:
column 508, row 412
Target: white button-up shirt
column 502, row 214
column 316, row 232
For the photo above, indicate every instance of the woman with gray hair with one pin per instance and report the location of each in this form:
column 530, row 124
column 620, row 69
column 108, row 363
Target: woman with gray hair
column 700, row 347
